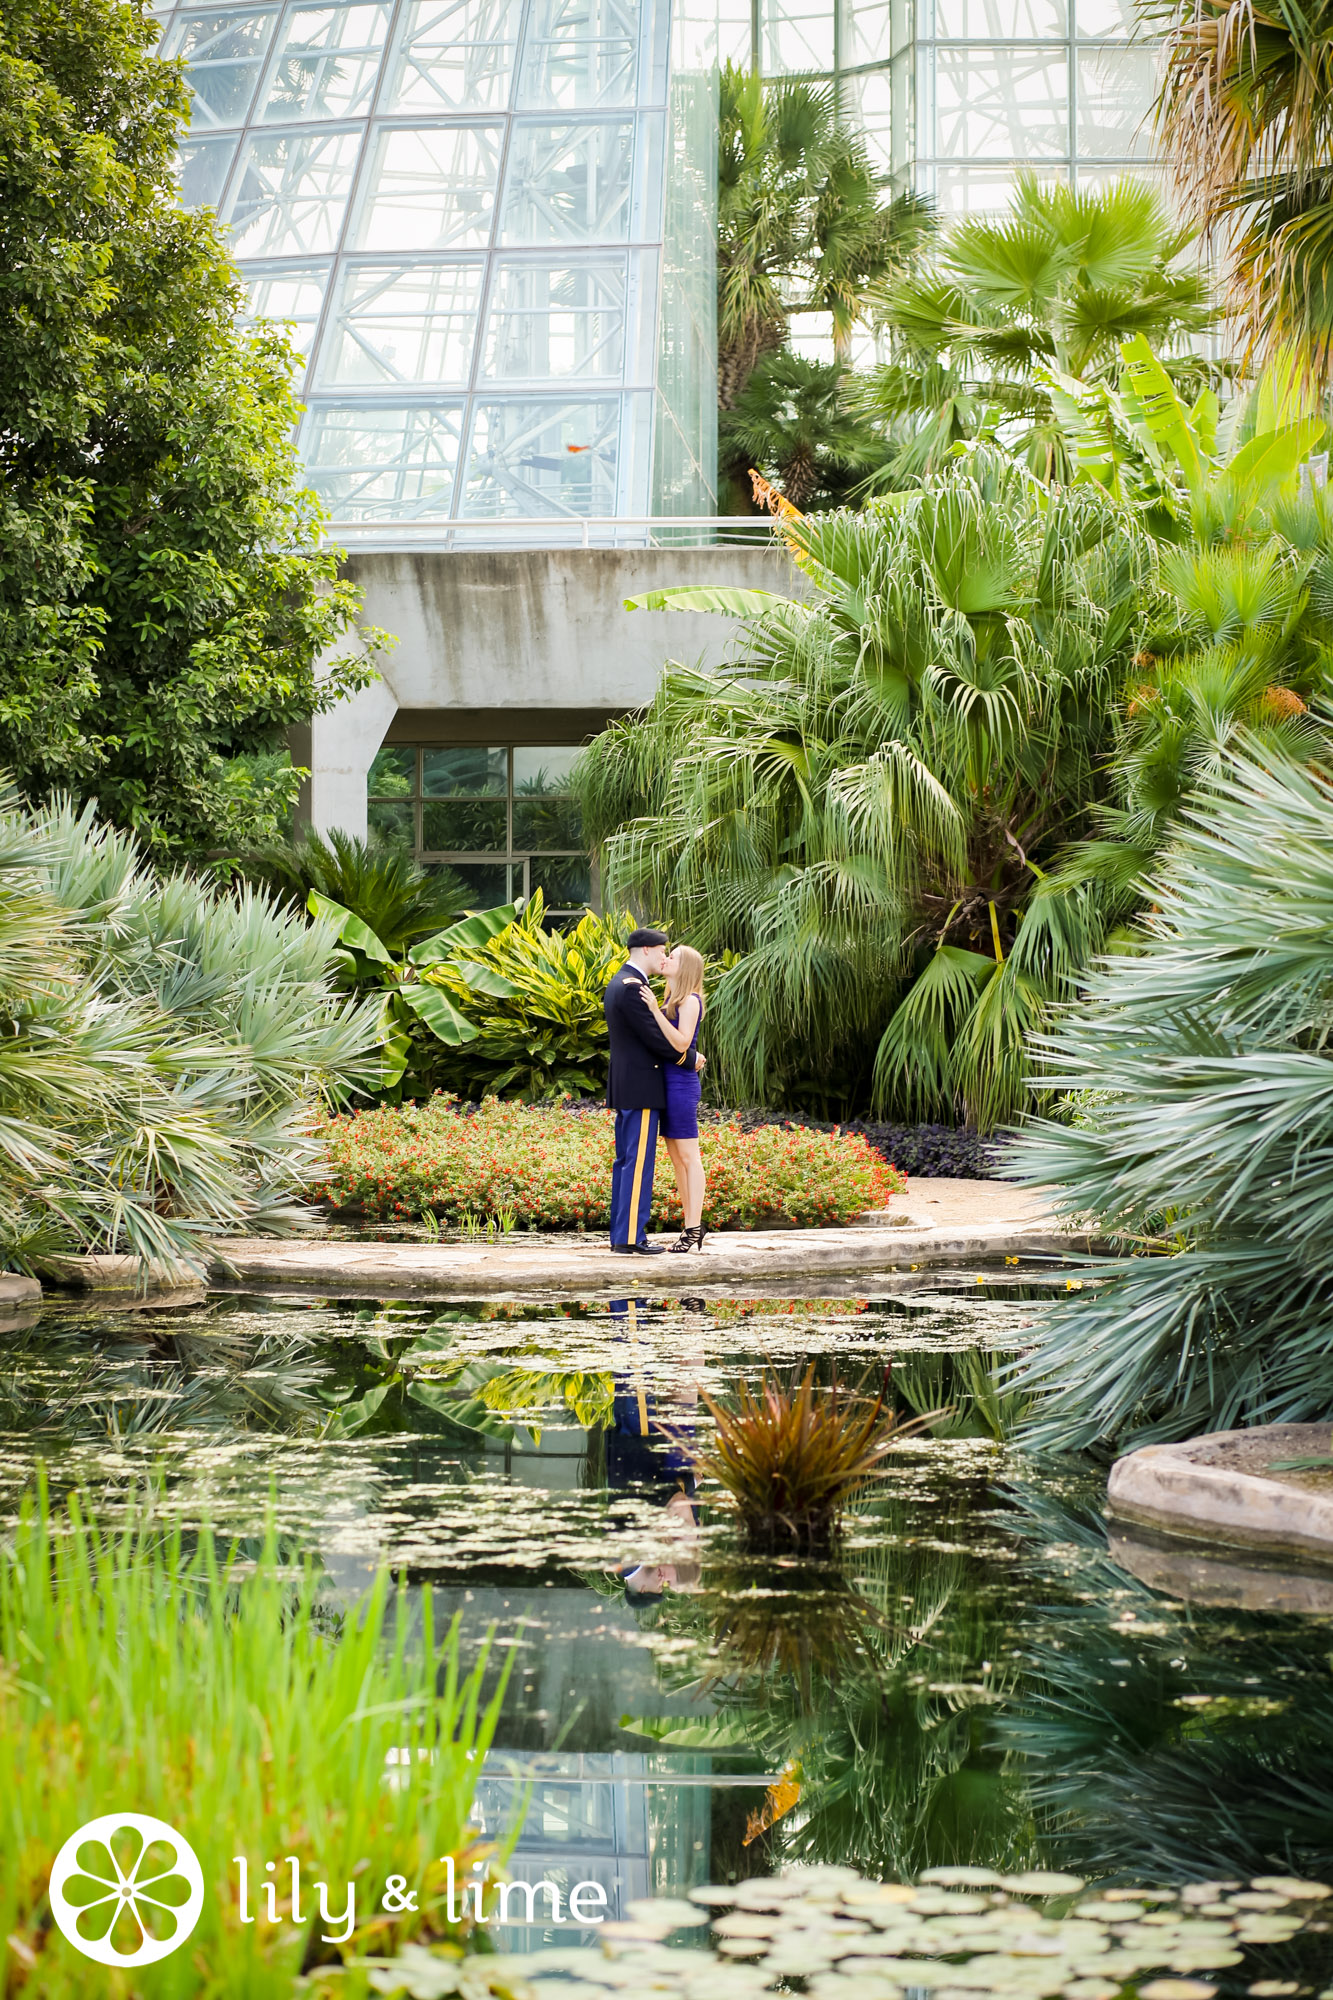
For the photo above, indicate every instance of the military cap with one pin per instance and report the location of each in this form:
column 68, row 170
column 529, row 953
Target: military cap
column 638, row 939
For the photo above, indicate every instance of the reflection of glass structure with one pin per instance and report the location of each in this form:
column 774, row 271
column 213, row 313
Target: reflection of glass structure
column 461, row 204
column 498, row 817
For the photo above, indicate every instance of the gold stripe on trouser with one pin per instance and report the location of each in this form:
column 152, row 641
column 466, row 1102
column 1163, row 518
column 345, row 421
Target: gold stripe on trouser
column 637, row 1188
column 637, row 1366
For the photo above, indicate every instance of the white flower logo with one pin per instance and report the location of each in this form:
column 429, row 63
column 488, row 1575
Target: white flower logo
column 126, row 1889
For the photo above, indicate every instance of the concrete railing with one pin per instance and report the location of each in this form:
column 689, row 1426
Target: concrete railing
column 561, row 531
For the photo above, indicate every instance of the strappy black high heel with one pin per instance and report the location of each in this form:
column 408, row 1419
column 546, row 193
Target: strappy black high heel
column 689, row 1239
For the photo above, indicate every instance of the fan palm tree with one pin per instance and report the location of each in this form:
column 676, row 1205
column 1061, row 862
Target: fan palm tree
column 866, row 807
column 802, row 224
column 1209, row 1129
column 790, row 424
column 1060, row 282
column 1246, row 117
column 167, row 1047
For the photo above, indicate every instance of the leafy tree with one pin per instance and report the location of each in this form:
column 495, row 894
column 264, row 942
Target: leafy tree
column 1059, row 283
column 1246, row 115
column 1210, row 1135
column 790, row 424
column 164, row 596
column 802, row 225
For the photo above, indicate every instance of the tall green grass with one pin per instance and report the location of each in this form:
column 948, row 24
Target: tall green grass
column 148, row 1672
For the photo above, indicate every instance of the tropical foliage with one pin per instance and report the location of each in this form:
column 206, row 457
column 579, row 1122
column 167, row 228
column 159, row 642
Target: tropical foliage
column 867, row 806
column 1246, row 115
column 549, row 1167
column 802, row 224
column 166, row 1043
column 1057, row 285
column 533, row 1000
column 164, row 593
column 225, row 1694
column 1209, row 1142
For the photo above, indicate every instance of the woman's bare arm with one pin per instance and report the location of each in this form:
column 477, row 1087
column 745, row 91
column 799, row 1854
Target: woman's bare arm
column 677, row 1033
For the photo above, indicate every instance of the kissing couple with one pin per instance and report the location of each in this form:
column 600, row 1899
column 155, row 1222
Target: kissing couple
column 654, row 1086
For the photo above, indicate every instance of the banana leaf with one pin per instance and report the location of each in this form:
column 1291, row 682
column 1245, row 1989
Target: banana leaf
column 469, row 932
column 439, row 1013
column 351, row 930
column 727, row 599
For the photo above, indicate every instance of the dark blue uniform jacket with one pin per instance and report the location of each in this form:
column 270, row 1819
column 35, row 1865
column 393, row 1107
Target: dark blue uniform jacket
column 639, row 1049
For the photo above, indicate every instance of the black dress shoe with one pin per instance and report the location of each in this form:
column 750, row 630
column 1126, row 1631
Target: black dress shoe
column 622, row 1249
column 649, row 1250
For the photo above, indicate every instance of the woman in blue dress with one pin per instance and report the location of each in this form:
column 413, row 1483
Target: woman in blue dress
column 679, row 1017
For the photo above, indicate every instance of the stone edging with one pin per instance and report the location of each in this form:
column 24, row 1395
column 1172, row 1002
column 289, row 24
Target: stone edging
column 1175, row 1487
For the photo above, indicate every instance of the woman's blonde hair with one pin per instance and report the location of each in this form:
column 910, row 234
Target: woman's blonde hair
column 687, row 978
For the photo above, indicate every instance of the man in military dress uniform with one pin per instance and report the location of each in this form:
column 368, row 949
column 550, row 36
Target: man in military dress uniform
column 636, row 1091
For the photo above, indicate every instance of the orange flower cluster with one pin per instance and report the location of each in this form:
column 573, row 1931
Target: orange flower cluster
column 551, row 1167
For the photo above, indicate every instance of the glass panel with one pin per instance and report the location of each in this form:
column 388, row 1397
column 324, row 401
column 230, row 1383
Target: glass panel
column 201, row 168
column 569, row 183
column 383, row 464
column 394, row 825
column 454, row 55
column 867, row 35
column 224, row 52
column 557, row 319
column 293, row 296
column 796, row 35
column 530, row 458
column 292, row 193
column 1115, row 97
column 579, row 52
column 547, row 824
column 467, row 772
column 327, row 62
column 1001, row 20
column 474, row 826
column 566, row 883
column 959, row 192
column 1115, row 20
column 538, row 771
column 393, row 775
column 485, row 883
column 1001, row 104
column 404, row 323
column 431, row 189
column 872, row 100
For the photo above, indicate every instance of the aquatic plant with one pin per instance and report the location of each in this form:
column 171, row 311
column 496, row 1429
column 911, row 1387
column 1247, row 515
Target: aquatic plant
column 793, row 1457
column 1210, row 1142
column 550, row 1167
column 243, row 1706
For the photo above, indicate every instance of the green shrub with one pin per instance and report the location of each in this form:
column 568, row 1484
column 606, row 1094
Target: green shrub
column 551, row 1168
column 228, row 1700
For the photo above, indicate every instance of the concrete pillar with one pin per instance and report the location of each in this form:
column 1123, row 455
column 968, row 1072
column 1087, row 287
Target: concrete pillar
column 338, row 749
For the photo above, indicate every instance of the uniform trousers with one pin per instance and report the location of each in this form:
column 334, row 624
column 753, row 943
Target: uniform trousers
column 632, row 1174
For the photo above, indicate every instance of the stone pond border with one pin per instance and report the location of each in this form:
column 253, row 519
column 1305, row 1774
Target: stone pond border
column 1214, row 1487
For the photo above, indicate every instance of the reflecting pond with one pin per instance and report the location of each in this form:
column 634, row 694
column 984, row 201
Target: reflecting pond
column 987, row 1676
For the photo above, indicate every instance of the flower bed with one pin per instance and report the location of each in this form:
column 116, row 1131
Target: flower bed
column 550, row 1167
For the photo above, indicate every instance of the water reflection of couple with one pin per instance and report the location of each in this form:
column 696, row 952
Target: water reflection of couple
column 650, row 1449
column 654, row 1085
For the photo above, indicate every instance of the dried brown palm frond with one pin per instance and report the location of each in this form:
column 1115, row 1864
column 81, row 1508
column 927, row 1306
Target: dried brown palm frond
column 1245, row 112
column 793, row 1458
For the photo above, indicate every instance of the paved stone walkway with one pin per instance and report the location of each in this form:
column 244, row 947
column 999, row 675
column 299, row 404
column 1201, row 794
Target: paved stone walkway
column 938, row 1223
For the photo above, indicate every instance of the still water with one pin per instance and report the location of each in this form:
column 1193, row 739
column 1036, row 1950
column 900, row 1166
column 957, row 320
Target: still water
column 988, row 1674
